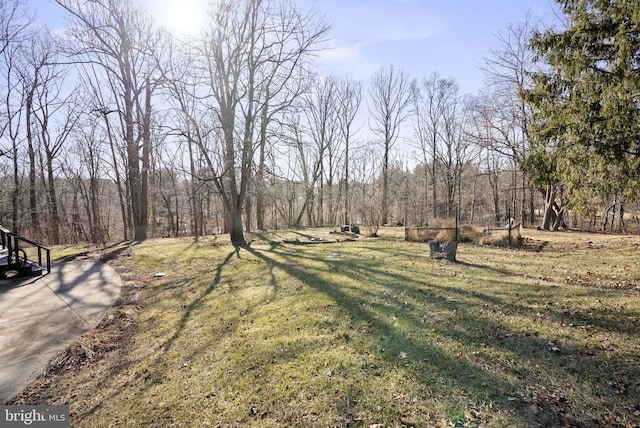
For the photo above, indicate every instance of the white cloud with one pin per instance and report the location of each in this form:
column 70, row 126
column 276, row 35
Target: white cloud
column 400, row 33
column 370, row 34
column 345, row 59
column 372, row 22
column 340, row 53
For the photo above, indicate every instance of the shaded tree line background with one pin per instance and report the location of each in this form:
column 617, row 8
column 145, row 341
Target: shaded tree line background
column 116, row 129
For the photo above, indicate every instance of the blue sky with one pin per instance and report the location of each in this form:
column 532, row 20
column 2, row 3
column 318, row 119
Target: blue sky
column 421, row 36
column 418, row 36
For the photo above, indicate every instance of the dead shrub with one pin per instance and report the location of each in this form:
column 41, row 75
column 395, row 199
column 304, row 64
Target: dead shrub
column 470, row 233
column 446, row 235
column 420, row 234
column 501, row 238
column 467, row 233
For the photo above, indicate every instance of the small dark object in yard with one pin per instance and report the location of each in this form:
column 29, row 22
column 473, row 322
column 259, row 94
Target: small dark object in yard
column 447, row 251
column 352, row 229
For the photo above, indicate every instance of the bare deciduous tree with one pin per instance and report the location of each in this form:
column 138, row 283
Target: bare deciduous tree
column 507, row 69
column 51, row 114
column 321, row 110
column 457, row 149
column 120, row 40
column 14, row 34
column 390, row 93
column 350, row 97
column 244, row 40
column 432, row 97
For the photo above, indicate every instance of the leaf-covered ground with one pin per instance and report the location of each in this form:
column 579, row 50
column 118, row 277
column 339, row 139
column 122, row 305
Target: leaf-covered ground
column 361, row 334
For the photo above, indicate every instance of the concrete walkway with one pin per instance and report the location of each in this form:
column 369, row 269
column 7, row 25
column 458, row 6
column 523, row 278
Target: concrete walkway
column 40, row 317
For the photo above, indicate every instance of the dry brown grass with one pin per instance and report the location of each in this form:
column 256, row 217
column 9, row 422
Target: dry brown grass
column 501, row 238
column 470, row 233
column 445, row 235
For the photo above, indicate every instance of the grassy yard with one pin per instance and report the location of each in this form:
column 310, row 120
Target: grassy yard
column 369, row 333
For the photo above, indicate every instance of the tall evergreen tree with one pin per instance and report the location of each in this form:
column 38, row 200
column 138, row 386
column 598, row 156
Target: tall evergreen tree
column 586, row 101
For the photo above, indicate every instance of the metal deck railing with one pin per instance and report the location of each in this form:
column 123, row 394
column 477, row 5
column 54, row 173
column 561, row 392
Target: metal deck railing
column 14, row 257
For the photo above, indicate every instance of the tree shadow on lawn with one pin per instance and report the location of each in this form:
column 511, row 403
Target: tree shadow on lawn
column 530, row 368
column 127, row 363
column 465, row 374
column 195, row 303
column 604, row 320
column 451, row 348
column 526, row 361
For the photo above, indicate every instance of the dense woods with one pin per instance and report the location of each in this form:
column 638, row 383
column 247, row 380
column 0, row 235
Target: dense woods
column 116, row 129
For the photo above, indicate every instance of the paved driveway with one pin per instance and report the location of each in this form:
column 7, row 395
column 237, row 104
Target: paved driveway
column 41, row 316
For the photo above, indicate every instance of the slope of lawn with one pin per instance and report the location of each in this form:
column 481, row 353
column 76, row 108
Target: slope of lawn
column 356, row 334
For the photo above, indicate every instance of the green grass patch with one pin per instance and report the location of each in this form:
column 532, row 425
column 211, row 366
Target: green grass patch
column 370, row 332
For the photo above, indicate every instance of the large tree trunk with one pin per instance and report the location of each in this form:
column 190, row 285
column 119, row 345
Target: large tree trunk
column 558, row 220
column 549, row 214
column 620, row 226
column 385, row 185
column 54, row 224
column 260, row 205
column 137, row 178
column 233, row 200
column 532, row 208
column 97, row 231
column 616, row 210
column 424, row 221
column 126, row 219
column 133, row 165
column 15, row 194
column 434, row 180
column 553, row 217
column 523, row 201
column 33, row 197
column 347, row 219
column 307, row 208
column 248, row 205
column 235, row 225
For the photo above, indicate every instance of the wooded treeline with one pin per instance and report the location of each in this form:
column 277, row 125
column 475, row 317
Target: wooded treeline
column 116, row 129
